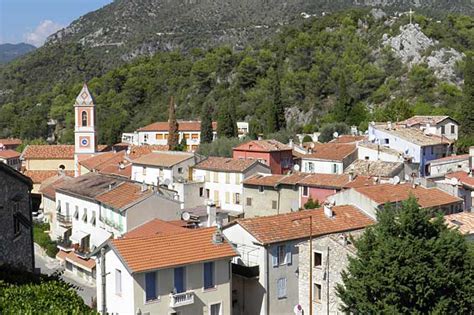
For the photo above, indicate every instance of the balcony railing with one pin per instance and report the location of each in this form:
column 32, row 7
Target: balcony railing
column 65, row 220
column 82, row 251
column 65, row 245
column 181, row 299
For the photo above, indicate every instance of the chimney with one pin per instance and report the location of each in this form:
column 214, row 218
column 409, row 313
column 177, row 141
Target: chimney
column 259, row 137
column 351, row 175
column 218, row 237
column 211, row 214
column 290, row 143
column 389, row 125
column 328, row 210
column 471, row 158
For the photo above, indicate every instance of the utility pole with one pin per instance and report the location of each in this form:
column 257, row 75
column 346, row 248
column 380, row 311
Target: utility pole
column 310, row 217
column 102, row 274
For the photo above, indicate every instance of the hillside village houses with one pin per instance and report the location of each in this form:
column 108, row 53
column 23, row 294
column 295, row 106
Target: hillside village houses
column 11, row 158
column 9, row 144
column 328, row 158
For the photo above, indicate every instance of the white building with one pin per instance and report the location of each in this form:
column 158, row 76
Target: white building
column 438, row 125
column 11, row 158
column 223, row 178
column 328, row 158
column 168, row 271
column 449, row 164
column 377, row 152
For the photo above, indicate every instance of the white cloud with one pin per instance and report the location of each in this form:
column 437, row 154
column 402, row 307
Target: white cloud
column 41, row 32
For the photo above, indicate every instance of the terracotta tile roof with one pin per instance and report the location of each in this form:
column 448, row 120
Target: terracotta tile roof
column 90, row 185
column 414, row 135
column 87, row 264
column 39, row 177
column 163, row 158
column 325, row 180
column 49, row 152
column 183, row 125
column 294, row 178
column 348, row 139
column 451, row 158
column 423, row 120
column 138, row 150
column 9, row 154
column 331, row 151
column 295, row 225
column 361, row 181
column 463, row 177
column 381, row 148
column 464, row 221
column 223, row 164
column 111, row 169
column 122, row 195
column 95, row 161
column 263, row 180
column 262, row 146
column 374, row 168
column 10, row 141
column 49, row 186
column 154, row 227
column 389, row 193
column 168, row 250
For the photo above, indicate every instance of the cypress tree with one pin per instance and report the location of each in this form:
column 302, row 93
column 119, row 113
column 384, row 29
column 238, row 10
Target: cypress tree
column 279, row 108
column 226, row 125
column 466, row 117
column 206, row 124
column 173, row 135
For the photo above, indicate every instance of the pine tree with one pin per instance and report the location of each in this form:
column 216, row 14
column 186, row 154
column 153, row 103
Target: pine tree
column 226, row 125
column 173, row 135
column 466, row 117
column 279, row 108
column 409, row 263
column 206, row 124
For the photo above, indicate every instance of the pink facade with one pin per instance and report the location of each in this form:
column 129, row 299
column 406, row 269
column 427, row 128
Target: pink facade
column 280, row 162
column 319, row 194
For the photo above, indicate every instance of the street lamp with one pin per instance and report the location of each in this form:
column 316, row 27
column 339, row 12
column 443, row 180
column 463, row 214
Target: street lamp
column 310, row 217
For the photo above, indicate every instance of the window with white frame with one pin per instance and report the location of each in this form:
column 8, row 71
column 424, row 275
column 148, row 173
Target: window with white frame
column 317, row 292
column 305, row 191
column 310, row 167
column 118, row 282
column 281, row 288
column 215, row 309
column 144, row 170
column 281, row 255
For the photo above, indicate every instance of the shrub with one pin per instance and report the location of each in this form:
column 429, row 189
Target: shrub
column 43, row 239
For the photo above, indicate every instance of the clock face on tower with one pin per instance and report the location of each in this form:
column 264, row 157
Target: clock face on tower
column 84, row 141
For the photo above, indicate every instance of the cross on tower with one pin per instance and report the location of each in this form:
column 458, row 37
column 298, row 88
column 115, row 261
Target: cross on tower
column 411, row 13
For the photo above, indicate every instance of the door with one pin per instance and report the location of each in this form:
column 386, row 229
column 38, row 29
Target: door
column 179, row 280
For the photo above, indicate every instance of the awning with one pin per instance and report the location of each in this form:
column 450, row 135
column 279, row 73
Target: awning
column 77, row 236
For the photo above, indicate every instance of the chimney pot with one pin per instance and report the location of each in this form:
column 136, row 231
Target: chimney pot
column 328, row 210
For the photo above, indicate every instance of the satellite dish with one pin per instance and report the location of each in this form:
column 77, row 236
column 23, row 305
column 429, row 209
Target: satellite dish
column 185, row 216
column 296, row 167
column 396, row 180
column 166, row 182
column 335, row 134
column 407, row 177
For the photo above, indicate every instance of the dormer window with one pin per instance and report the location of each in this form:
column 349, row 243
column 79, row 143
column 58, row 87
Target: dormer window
column 84, row 119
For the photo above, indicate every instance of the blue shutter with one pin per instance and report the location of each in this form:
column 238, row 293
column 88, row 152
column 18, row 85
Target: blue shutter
column 208, row 275
column 179, row 279
column 288, row 254
column 274, row 252
column 150, row 286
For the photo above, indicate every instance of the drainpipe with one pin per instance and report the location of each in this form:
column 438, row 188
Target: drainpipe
column 278, row 205
column 102, row 274
column 267, row 280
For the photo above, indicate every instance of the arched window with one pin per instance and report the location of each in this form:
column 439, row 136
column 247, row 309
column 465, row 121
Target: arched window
column 84, row 119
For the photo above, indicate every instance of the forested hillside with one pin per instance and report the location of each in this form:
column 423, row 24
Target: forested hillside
column 327, row 69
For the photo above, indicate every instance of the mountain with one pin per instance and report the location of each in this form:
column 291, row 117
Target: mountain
column 351, row 66
column 8, row 52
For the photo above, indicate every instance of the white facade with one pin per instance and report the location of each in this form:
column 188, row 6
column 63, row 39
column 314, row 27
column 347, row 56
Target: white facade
column 322, row 167
column 130, row 138
column 242, row 129
column 156, row 175
column 374, row 152
column 442, row 167
column 12, row 162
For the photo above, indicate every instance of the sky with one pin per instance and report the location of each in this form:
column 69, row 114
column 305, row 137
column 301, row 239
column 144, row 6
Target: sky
column 31, row 21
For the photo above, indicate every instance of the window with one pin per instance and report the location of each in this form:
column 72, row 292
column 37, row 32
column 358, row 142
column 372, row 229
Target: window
column 195, row 136
column 144, row 170
column 180, row 170
column 317, row 259
column 84, row 119
column 216, row 196
column 67, row 208
column 237, row 198
column 334, row 168
column 118, row 282
column 207, row 177
column 261, row 189
column 305, row 191
column 16, row 225
column 201, row 191
column 227, row 197
column 281, row 255
column 237, row 179
column 274, row 204
column 310, row 167
column 208, row 193
column 281, row 288
column 215, row 177
column 179, row 280
column 386, row 141
column 432, row 150
column 442, row 130
column 150, row 286
column 209, row 275
column 317, row 292
column 249, row 201
column 84, row 216
column 227, row 178
column 453, row 129
column 159, row 136
column 215, row 309
column 186, row 136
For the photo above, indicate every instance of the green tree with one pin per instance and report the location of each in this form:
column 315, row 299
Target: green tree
column 220, row 147
column 206, row 124
column 311, row 203
column 226, row 124
column 466, row 112
column 328, row 130
column 409, row 263
column 173, row 135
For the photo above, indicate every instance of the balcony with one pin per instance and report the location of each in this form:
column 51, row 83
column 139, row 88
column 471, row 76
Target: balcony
column 65, row 245
column 64, row 220
column 181, row 299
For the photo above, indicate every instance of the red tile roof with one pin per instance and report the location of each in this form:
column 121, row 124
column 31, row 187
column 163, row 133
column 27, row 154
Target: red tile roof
column 451, row 158
column 168, row 250
column 415, row 120
column 123, row 195
column 464, row 221
column 10, row 141
column 348, row 139
column 9, row 154
column 389, row 193
column 463, row 177
column 183, row 125
column 48, row 187
column 154, row 227
column 223, row 164
column 264, row 180
column 163, row 158
column 87, row 264
column 331, row 151
column 39, row 177
column 295, row 225
column 325, row 180
column 262, row 146
column 49, row 152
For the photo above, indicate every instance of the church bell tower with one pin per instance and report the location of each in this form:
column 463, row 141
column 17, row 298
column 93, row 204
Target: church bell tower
column 85, row 138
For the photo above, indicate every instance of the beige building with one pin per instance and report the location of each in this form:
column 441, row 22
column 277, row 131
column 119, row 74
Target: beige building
column 165, row 269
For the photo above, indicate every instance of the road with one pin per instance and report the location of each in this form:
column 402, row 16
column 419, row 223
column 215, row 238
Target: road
column 49, row 265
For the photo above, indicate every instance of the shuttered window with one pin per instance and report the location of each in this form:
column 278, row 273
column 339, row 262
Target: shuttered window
column 281, row 288
column 150, row 286
column 209, row 275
